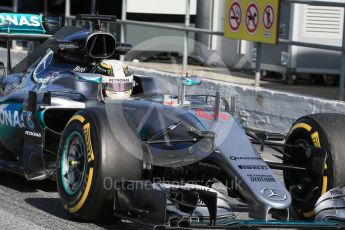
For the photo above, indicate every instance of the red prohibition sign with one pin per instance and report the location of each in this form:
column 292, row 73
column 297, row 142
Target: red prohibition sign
column 235, row 16
column 252, row 18
column 268, row 17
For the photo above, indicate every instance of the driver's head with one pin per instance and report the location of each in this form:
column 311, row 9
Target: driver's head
column 118, row 82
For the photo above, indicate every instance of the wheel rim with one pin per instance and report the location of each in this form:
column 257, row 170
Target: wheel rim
column 73, row 163
column 303, row 186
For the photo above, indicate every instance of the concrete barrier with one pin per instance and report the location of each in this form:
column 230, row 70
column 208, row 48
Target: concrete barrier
column 263, row 109
column 256, row 108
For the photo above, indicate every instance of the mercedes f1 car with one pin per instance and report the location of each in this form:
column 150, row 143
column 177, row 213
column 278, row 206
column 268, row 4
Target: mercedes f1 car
column 153, row 158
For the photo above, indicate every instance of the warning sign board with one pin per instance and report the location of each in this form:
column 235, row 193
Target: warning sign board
column 254, row 20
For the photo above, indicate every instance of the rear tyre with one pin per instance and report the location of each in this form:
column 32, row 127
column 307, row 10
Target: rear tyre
column 89, row 161
column 326, row 134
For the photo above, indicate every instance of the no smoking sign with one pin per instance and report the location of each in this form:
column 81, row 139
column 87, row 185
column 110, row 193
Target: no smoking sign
column 235, row 16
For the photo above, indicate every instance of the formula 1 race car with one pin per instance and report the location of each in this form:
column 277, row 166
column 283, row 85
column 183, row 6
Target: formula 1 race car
column 118, row 147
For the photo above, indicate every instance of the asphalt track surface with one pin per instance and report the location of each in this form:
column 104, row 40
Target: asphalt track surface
column 36, row 205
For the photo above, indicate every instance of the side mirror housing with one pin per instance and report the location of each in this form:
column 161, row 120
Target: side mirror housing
column 187, row 81
column 88, row 77
column 191, row 80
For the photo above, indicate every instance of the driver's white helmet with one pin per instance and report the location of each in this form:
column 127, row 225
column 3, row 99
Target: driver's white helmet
column 117, row 81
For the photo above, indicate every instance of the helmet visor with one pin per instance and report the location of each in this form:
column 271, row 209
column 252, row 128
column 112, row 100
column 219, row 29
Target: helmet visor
column 118, row 87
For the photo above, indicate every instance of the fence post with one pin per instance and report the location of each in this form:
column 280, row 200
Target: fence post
column 258, row 64
column 45, row 6
column 15, row 10
column 15, row 6
column 185, row 40
column 123, row 25
column 67, row 11
column 342, row 66
column 93, row 6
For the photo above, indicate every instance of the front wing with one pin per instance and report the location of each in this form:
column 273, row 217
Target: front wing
column 186, row 206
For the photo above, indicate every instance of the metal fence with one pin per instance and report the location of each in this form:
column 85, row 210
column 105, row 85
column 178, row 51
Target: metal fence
column 319, row 46
column 187, row 29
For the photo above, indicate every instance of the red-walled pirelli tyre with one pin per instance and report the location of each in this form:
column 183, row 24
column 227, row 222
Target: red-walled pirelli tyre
column 326, row 133
column 89, row 160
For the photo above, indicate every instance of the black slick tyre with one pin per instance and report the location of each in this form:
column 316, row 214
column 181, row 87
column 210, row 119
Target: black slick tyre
column 325, row 133
column 89, row 161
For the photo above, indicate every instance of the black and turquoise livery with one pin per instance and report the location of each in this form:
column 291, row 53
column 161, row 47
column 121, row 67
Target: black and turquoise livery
column 55, row 123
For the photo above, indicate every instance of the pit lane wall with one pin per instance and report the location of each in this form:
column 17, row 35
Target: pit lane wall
column 262, row 109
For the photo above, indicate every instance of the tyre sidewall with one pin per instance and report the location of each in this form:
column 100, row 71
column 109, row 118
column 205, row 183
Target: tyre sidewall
column 109, row 161
column 81, row 202
column 309, row 130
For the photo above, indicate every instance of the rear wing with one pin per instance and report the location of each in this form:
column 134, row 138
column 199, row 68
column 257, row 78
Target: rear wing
column 26, row 27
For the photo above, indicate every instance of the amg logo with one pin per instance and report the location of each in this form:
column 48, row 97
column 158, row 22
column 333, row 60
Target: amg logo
column 33, row 134
column 258, row 167
column 261, row 178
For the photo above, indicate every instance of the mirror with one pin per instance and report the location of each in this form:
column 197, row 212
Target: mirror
column 191, row 80
column 3, row 71
column 52, row 23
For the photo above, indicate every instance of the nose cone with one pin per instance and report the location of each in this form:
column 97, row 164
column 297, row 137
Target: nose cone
column 258, row 184
column 278, row 198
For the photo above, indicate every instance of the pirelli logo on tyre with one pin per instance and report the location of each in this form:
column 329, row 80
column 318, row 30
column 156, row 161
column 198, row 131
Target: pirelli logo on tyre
column 316, row 139
column 90, row 154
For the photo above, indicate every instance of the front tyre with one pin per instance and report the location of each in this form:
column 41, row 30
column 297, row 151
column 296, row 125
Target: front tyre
column 325, row 133
column 89, row 156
